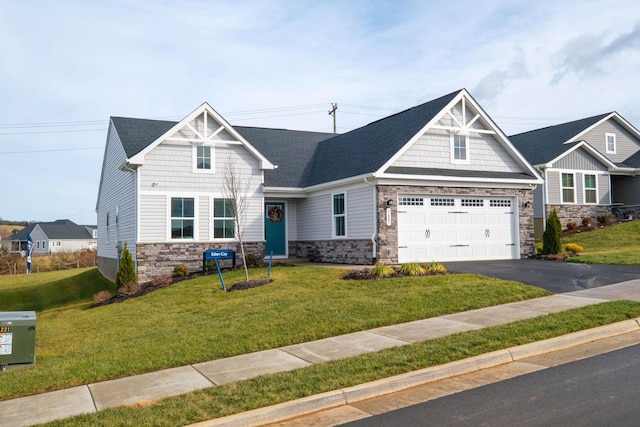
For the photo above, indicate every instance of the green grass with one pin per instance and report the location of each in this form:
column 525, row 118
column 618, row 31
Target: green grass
column 618, row 244
column 45, row 291
column 266, row 390
column 76, row 345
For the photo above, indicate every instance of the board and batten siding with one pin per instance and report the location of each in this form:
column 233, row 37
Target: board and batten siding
column 579, row 160
column 626, row 143
column 117, row 192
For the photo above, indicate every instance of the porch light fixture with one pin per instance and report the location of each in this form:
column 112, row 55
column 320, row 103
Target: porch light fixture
column 389, row 202
column 527, row 204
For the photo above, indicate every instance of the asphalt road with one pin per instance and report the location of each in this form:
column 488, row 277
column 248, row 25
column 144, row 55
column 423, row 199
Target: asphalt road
column 554, row 276
column 598, row 391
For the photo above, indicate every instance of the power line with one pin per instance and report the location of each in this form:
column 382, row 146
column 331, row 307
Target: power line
column 51, row 150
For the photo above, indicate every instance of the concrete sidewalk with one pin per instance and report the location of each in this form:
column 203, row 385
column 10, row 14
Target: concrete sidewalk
column 153, row 386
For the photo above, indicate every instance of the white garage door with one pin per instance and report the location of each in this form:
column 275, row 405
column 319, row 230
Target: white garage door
column 456, row 228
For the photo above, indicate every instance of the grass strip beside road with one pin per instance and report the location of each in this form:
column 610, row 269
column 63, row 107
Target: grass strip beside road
column 194, row 321
column 267, row 390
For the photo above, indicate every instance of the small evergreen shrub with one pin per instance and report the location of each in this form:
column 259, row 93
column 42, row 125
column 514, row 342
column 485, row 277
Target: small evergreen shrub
column 252, row 260
column 412, row 269
column 572, row 225
column 602, row 219
column 126, row 269
column 435, row 267
column 538, row 248
column 574, row 248
column 181, row 270
column 381, row 270
column 551, row 244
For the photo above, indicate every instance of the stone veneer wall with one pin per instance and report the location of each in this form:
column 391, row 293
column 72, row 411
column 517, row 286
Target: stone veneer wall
column 388, row 235
column 576, row 213
column 335, row 251
column 159, row 259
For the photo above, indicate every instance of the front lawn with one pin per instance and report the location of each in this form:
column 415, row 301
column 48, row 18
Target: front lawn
column 194, row 321
column 618, row 244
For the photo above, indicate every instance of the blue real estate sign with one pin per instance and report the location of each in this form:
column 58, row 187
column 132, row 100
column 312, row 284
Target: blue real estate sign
column 215, row 255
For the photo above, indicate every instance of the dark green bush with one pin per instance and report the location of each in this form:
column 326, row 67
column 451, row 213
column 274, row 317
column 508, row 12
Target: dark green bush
column 126, row 269
column 551, row 243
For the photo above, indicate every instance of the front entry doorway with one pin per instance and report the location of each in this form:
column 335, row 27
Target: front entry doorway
column 275, row 230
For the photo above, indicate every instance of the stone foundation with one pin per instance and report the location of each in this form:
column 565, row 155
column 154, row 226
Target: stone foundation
column 335, row 251
column 159, row 259
column 576, row 213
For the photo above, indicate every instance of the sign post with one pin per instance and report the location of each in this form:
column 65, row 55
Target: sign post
column 215, row 255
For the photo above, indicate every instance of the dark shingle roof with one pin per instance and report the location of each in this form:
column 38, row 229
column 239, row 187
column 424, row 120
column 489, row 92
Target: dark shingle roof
column 541, row 145
column 292, row 151
column 62, row 229
column 366, row 149
column 137, row 134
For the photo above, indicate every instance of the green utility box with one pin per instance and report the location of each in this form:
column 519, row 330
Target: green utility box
column 17, row 339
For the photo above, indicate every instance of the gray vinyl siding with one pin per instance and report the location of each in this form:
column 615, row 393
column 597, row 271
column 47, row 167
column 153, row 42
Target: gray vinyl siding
column 314, row 217
column 117, row 191
column 168, row 172
column 626, row 143
column 291, row 212
column 538, row 202
column 154, row 210
column 360, row 213
column 554, row 188
column 579, row 160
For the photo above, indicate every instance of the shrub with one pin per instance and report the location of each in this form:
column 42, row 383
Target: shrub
column 602, row 219
column 251, row 260
column 126, row 269
column 551, row 244
column 161, row 281
column 381, row 270
column 587, row 221
column 572, row 225
column 574, row 248
column 130, row 288
column 102, row 296
column 538, row 248
column 412, row 269
column 181, row 270
column 435, row 267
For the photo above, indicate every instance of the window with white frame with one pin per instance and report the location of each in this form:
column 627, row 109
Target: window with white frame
column 203, row 158
column 568, row 188
column 339, row 215
column 459, row 148
column 224, row 220
column 590, row 189
column 611, row 142
column 182, row 217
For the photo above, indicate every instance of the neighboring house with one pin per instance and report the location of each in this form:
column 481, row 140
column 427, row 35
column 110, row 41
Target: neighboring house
column 62, row 235
column 589, row 167
column 437, row 182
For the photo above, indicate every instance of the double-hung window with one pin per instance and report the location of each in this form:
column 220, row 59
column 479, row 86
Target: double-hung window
column 203, row 158
column 339, row 215
column 611, row 142
column 182, row 217
column 568, row 188
column 224, row 220
column 590, row 189
column 459, row 148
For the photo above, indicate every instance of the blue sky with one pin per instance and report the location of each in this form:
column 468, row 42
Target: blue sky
column 68, row 66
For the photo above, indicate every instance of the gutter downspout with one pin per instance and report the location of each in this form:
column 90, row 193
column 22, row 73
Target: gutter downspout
column 375, row 222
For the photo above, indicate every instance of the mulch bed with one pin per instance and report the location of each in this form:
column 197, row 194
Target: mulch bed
column 365, row 274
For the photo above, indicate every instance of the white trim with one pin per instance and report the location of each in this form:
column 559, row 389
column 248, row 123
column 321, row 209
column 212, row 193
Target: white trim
column 584, row 189
column 606, row 143
column 589, row 149
column 562, row 188
column 195, row 217
column 194, row 158
column 452, row 151
column 334, row 235
column 212, row 219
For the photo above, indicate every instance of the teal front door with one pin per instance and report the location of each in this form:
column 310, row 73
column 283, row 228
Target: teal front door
column 275, row 229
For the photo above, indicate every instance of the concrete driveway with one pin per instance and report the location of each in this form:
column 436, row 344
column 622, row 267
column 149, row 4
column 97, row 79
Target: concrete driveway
column 554, row 276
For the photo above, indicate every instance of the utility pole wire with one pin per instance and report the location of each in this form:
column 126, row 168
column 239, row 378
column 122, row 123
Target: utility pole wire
column 332, row 112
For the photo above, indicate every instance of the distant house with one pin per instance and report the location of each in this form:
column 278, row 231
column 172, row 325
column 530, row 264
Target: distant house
column 589, row 168
column 62, row 235
column 436, row 182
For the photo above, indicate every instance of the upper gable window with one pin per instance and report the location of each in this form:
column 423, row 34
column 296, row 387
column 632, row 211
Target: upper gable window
column 611, row 142
column 203, row 159
column 459, row 148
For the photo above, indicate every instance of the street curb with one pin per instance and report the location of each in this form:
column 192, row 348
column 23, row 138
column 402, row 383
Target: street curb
column 336, row 398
